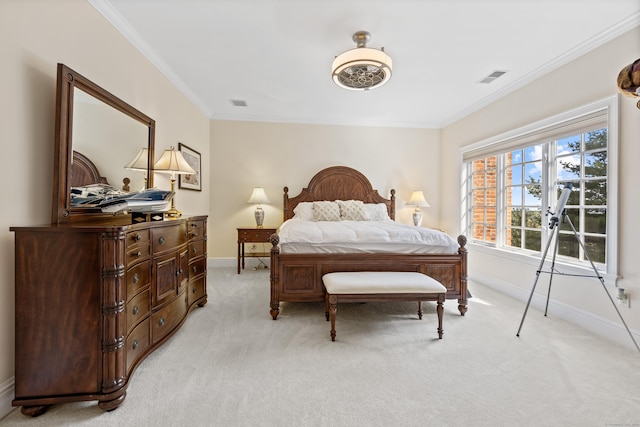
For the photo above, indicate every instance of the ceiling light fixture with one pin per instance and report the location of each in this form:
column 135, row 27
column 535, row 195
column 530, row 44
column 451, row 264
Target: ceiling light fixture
column 362, row 68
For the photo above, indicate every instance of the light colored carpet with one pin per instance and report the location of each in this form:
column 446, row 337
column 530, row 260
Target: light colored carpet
column 231, row 365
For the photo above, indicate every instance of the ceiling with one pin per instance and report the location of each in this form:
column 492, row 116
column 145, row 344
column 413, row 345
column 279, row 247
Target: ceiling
column 276, row 55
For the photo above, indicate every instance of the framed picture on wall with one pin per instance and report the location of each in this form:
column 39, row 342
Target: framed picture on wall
column 192, row 181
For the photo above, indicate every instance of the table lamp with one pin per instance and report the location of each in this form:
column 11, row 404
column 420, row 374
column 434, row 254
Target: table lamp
column 417, row 199
column 172, row 162
column 259, row 197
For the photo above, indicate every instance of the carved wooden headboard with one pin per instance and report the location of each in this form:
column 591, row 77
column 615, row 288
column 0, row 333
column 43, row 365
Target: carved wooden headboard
column 338, row 183
column 84, row 172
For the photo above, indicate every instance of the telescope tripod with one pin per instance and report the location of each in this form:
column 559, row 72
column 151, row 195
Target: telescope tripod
column 554, row 224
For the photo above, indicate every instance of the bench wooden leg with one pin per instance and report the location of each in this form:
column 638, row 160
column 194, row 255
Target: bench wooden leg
column 420, row 310
column 326, row 305
column 440, row 310
column 333, row 307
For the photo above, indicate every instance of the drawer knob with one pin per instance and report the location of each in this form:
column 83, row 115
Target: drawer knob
column 195, row 269
column 136, row 278
column 135, row 344
column 161, row 240
column 195, row 250
column 179, row 272
column 138, row 254
column 135, row 310
column 137, row 237
column 161, row 321
column 194, row 290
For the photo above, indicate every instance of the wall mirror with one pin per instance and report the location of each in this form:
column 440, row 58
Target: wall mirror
column 97, row 134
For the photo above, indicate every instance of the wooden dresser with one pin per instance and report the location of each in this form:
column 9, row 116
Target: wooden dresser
column 92, row 301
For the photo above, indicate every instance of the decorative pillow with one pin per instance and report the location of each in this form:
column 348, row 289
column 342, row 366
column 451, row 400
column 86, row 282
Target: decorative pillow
column 376, row 211
column 304, row 210
column 326, row 211
column 352, row 210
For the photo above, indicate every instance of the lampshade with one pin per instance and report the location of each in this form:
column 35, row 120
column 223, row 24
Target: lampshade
column 140, row 162
column 259, row 197
column 361, row 68
column 172, row 162
column 417, row 199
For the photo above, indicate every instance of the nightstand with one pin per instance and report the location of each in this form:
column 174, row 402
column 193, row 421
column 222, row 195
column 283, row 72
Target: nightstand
column 252, row 235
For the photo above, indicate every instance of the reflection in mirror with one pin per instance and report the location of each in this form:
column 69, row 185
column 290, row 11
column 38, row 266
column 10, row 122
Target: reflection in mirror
column 109, row 138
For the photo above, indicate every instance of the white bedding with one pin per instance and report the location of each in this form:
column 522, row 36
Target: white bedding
column 302, row 236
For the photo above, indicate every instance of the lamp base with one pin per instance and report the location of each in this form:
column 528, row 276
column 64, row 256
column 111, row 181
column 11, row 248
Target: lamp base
column 417, row 218
column 259, row 217
column 173, row 213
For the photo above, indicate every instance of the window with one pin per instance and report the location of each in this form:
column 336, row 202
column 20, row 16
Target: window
column 513, row 182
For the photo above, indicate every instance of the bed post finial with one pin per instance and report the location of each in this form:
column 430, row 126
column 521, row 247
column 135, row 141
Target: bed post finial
column 285, row 203
column 392, row 210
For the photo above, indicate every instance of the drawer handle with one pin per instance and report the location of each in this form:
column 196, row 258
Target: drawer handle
column 135, row 344
column 194, row 234
column 193, row 224
column 135, row 310
column 161, row 240
column 137, row 237
column 136, row 278
column 161, row 321
column 179, row 272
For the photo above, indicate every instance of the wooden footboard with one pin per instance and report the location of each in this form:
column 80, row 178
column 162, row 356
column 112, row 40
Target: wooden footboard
column 298, row 277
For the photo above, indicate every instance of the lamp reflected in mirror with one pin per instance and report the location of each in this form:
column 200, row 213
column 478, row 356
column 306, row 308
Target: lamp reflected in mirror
column 417, row 199
column 171, row 162
column 140, row 163
column 259, row 197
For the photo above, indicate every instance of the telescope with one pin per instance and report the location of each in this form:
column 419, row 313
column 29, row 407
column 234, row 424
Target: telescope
column 562, row 201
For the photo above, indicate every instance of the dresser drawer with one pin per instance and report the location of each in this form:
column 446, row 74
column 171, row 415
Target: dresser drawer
column 137, row 238
column 197, row 229
column 257, row 235
column 197, row 267
column 197, row 248
column 137, row 342
column 138, row 308
column 197, row 289
column 165, row 320
column 137, row 278
column 168, row 238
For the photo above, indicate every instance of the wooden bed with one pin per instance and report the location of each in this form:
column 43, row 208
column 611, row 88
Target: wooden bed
column 298, row 277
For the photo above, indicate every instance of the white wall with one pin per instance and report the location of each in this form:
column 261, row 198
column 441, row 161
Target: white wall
column 272, row 155
column 34, row 36
column 587, row 79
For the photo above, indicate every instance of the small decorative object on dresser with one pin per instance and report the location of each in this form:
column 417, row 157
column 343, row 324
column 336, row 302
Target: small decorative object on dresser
column 253, row 235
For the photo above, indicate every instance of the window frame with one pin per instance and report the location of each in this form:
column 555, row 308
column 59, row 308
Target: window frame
column 552, row 128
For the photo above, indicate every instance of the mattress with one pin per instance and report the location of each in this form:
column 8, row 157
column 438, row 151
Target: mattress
column 387, row 236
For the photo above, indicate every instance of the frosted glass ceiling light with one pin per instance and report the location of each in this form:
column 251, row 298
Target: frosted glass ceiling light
column 361, row 68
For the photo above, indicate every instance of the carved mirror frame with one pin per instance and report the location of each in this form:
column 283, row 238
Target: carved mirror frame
column 67, row 82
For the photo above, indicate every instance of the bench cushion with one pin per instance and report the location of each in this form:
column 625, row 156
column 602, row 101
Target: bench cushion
column 380, row 282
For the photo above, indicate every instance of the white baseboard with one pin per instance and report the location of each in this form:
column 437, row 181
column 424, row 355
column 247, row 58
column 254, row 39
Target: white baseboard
column 7, row 391
column 612, row 331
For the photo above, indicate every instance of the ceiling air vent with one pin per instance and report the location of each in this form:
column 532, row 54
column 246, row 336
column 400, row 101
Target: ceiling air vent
column 491, row 77
column 238, row 103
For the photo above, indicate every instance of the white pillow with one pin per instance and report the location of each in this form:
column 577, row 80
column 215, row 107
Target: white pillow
column 326, row 211
column 352, row 210
column 304, row 210
column 376, row 211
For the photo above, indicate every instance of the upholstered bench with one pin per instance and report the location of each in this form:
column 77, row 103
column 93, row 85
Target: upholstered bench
column 365, row 286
